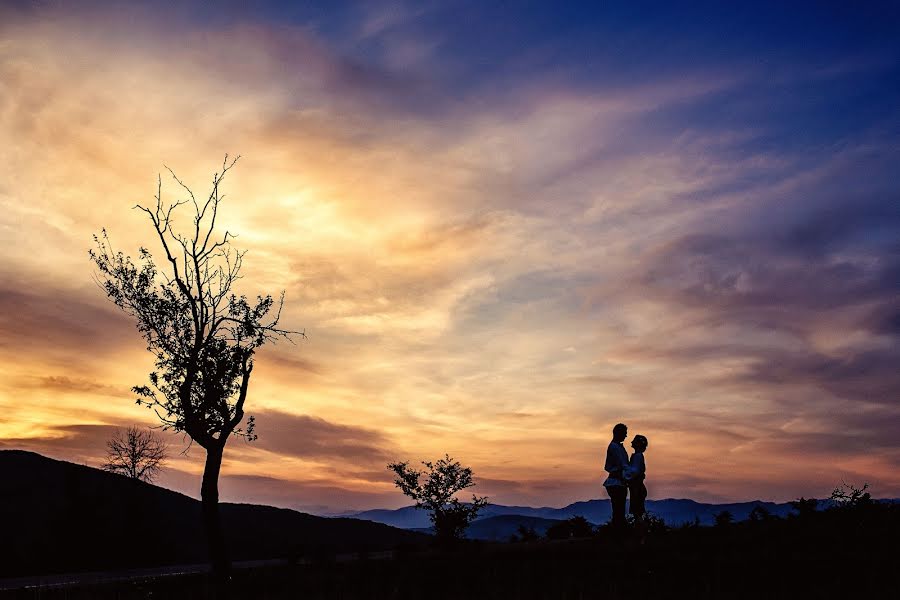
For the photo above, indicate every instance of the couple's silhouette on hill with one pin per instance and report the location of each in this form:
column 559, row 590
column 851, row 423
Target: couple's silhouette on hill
column 626, row 475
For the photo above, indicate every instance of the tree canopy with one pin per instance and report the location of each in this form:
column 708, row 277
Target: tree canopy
column 434, row 489
column 202, row 334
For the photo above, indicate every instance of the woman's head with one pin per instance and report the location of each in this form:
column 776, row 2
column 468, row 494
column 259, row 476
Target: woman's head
column 639, row 443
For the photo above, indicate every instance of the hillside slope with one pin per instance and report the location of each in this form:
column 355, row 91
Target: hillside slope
column 60, row 516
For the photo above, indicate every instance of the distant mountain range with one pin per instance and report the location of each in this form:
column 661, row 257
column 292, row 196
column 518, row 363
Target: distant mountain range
column 498, row 522
column 502, row 527
column 59, row 516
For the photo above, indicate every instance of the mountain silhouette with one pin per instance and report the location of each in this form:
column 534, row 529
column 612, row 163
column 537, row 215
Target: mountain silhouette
column 502, row 527
column 60, row 516
column 673, row 511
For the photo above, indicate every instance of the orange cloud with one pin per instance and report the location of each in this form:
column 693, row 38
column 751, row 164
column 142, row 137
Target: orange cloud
column 501, row 277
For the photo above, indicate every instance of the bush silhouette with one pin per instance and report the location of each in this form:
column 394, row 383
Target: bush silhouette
column 759, row 513
column 805, row 507
column 576, row 527
column 724, row 519
column 442, row 480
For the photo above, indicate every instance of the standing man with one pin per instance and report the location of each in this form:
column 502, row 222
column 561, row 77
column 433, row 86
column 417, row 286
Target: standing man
column 616, row 463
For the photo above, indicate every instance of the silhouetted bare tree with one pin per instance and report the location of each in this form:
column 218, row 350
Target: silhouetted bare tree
column 202, row 334
column 135, row 453
column 442, row 480
column 849, row 496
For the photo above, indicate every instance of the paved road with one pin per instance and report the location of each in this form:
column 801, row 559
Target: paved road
column 73, row 579
column 70, row 579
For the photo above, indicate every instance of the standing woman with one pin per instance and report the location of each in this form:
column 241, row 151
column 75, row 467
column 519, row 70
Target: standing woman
column 634, row 475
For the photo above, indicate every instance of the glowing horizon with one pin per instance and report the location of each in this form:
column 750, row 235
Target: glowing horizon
column 496, row 261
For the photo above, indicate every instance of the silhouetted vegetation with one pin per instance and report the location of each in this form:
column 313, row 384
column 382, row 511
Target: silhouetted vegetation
column 649, row 523
column 525, row 534
column 135, row 453
column 576, row 527
column 847, row 496
column 70, row 517
column 434, row 490
column 724, row 519
column 821, row 554
column 759, row 513
column 805, row 506
column 202, row 334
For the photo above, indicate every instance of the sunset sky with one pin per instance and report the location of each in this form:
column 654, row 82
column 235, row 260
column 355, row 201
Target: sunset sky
column 504, row 227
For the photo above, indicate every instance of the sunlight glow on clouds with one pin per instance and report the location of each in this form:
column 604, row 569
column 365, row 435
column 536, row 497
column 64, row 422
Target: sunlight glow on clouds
column 501, row 270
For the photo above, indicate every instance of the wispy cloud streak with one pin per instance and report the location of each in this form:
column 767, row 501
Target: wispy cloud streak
column 499, row 260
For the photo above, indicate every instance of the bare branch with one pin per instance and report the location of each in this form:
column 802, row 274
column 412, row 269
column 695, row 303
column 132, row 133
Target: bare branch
column 135, row 453
column 202, row 334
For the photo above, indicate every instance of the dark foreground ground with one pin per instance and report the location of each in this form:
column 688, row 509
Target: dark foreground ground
column 838, row 554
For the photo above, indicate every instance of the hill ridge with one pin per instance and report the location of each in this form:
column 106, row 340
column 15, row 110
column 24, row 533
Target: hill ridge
column 71, row 517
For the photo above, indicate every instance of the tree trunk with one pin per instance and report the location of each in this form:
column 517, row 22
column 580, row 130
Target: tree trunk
column 209, row 494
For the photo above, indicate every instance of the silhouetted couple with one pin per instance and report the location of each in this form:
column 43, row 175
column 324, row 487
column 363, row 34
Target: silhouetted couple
column 625, row 475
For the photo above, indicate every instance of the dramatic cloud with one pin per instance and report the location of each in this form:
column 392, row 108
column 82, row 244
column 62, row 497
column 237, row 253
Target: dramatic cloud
column 311, row 437
column 82, row 441
column 672, row 225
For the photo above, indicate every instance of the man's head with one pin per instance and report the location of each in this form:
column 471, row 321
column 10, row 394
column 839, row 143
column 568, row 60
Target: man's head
column 620, row 432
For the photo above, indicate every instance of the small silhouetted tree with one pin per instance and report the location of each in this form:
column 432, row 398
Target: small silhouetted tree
column 135, row 453
column 805, row 507
column 850, row 496
column 759, row 514
column 724, row 519
column 202, row 334
column 434, row 490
